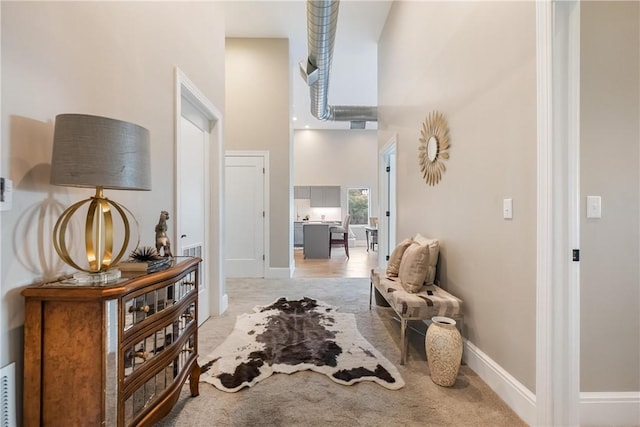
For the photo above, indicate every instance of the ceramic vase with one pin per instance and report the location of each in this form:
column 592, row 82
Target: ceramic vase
column 443, row 344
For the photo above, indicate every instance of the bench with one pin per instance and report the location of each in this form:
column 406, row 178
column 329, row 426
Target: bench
column 431, row 300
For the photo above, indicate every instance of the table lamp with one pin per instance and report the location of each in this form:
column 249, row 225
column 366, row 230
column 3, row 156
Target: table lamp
column 93, row 151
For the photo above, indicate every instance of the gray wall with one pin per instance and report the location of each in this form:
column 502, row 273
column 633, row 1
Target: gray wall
column 114, row 59
column 257, row 118
column 609, row 165
column 476, row 63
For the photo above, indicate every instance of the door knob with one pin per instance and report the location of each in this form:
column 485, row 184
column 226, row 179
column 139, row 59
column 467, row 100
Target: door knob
column 183, row 236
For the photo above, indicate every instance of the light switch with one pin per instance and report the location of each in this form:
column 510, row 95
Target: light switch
column 594, row 207
column 507, row 208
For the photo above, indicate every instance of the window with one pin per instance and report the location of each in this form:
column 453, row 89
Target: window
column 359, row 206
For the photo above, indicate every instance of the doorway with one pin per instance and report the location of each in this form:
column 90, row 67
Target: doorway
column 199, row 180
column 387, row 224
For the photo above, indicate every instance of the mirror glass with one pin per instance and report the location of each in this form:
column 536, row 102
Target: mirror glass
column 432, row 148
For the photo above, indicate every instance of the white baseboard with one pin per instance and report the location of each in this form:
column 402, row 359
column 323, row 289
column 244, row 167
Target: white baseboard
column 278, row 273
column 596, row 409
column 224, row 303
column 517, row 396
column 610, row 409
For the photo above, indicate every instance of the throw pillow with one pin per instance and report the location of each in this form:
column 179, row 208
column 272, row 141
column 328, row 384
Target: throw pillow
column 396, row 256
column 434, row 249
column 424, row 241
column 413, row 267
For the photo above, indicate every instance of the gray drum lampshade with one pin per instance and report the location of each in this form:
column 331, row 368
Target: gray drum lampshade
column 93, row 151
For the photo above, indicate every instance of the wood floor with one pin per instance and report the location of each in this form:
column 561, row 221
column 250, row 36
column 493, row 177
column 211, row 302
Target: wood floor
column 359, row 264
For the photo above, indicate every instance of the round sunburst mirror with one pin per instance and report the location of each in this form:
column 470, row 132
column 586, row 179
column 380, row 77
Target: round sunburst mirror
column 432, row 150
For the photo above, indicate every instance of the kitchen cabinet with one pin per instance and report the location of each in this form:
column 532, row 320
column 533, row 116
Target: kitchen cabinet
column 325, row 196
column 301, row 192
column 316, row 240
column 298, row 234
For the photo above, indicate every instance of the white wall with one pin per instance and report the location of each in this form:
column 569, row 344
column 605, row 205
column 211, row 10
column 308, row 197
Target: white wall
column 114, row 59
column 609, row 152
column 476, row 63
column 348, row 158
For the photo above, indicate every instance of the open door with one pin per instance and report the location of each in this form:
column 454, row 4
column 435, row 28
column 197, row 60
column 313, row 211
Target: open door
column 387, row 222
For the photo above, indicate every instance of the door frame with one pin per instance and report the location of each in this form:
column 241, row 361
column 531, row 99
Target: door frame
column 389, row 148
column 558, row 278
column 265, row 188
column 214, row 170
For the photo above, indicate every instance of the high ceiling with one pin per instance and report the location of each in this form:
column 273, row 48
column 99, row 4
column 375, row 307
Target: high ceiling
column 354, row 74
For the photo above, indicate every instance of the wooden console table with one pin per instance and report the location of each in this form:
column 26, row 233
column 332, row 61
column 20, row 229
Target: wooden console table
column 115, row 354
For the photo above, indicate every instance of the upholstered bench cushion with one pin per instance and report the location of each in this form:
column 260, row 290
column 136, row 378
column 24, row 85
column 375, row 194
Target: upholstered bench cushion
column 430, row 301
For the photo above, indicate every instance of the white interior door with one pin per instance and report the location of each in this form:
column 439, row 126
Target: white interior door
column 193, row 188
column 200, row 182
column 245, row 216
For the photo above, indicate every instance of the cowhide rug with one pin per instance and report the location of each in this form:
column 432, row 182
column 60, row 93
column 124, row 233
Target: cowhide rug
column 290, row 336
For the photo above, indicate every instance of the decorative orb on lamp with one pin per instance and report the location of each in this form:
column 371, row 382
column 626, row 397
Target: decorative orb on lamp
column 101, row 153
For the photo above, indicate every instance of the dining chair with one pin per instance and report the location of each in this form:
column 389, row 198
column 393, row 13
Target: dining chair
column 343, row 231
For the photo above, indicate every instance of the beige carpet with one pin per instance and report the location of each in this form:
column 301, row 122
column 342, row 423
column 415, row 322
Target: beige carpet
column 311, row 399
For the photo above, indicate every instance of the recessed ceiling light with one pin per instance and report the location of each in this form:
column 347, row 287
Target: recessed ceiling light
column 295, row 118
column 306, row 126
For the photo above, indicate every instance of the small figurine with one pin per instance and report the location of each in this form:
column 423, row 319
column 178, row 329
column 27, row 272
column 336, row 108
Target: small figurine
column 162, row 240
